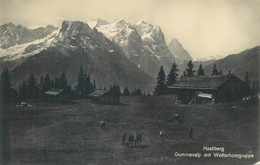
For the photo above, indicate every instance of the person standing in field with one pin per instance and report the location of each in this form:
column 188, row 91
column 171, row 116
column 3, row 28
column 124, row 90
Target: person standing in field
column 190, row 133
column 123, row 139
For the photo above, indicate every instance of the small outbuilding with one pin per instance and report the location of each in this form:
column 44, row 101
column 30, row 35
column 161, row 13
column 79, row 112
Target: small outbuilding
column 56, row 95
column 104, row 96
column 209, row 89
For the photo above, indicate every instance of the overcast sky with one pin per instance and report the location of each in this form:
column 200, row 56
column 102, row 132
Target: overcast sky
column 204, row 27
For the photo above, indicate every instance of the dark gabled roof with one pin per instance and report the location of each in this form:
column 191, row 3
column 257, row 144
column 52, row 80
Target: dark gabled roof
column 54, row 92
column 200, row 82
column 98, row 92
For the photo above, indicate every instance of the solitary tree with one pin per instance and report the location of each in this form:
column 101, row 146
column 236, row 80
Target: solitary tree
column 200, row 71
column 161, row 86
column 171, row 78
column 189, row 69
column 215, row 71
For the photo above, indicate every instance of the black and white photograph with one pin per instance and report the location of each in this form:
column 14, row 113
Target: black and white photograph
column 129, row 82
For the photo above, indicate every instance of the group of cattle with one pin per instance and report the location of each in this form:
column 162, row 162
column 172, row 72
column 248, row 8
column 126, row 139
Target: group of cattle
column 136, row 138
column 132, row 140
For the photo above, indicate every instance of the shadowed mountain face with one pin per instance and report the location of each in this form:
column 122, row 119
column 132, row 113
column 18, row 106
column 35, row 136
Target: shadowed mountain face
column 239, row 64
column 11, row 35
column 179, row 52
column 78, row 45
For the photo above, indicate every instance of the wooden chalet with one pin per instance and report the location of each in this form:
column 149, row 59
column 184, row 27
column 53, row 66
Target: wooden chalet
column 56, row 95
column 104, row 96
column 209, row 89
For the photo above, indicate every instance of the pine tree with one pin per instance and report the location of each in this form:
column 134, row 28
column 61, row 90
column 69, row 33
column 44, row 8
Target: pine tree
column 172, row 76
column 84, row 85
column 47, row 84
column 23, row 89
column 56, row 82
column 247, row 79
column 161, row 86
column 40, row 85
column 126, row 92
column 118, row 91
column 88, row 84
column 189, row 69
column 63, row 84
column 114, row 90
column 137, row 92
column 200, row 71
column 33, row 91
column 215, row 71
column 80, row 87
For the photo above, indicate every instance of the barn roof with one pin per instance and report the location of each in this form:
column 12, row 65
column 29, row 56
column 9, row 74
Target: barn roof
column 98, row 92
column 200, row 82
column 54, row 92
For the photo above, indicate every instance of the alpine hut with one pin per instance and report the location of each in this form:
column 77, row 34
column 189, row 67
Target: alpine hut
column 104, row 96
column 56, row 95
column 209, row 89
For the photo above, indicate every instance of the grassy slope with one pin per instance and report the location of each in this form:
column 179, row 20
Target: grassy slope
column 71, row 133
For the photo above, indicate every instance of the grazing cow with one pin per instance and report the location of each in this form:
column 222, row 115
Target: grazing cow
column 130, row 140
column 102, row 124
column 190, row 133
column 137, row 139
column 123, row 139
column 162, row 134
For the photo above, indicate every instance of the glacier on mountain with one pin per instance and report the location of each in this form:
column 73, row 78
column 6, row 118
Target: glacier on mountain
column 27, row 49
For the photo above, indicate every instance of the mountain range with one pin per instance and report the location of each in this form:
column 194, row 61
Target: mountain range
column 78, row 45
column 115, row 52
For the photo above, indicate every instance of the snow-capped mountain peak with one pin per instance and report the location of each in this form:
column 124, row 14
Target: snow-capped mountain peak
column 153, row 38
column 94, row 23
column 12, row 35
column 18, row 42
column 149, row 33
column 118, row 31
